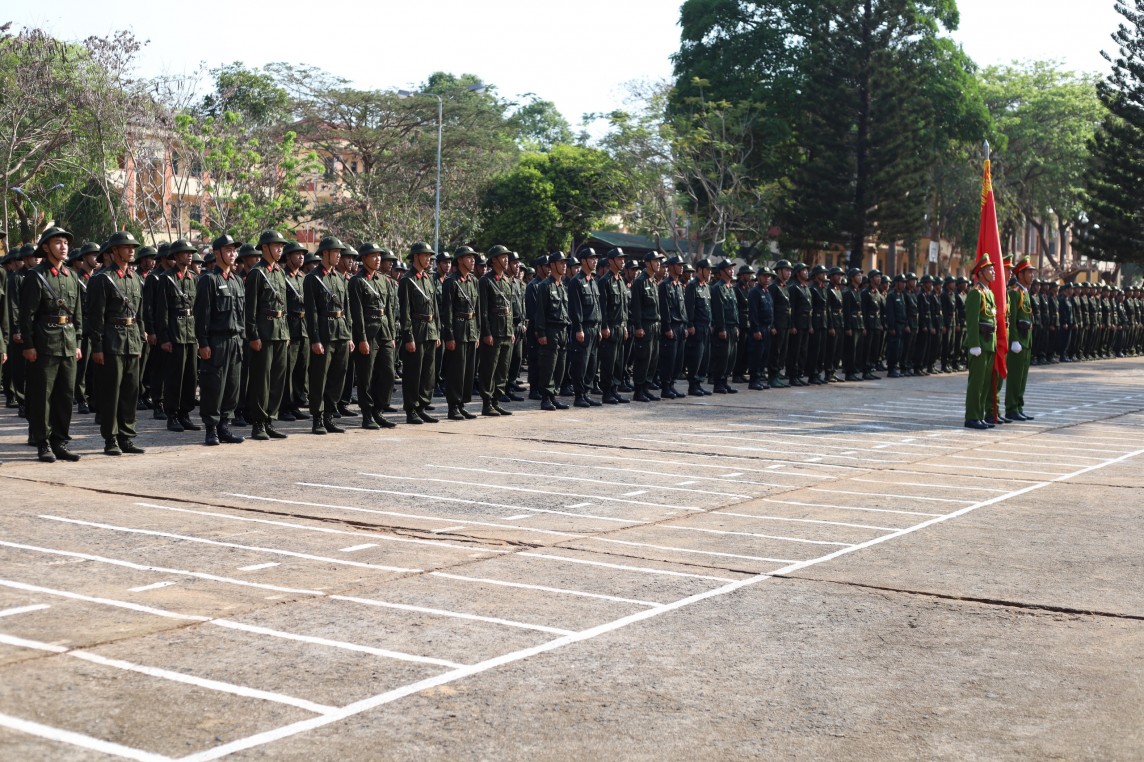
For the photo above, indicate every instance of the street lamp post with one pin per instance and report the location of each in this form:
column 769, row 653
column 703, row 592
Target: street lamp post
column 477, row 88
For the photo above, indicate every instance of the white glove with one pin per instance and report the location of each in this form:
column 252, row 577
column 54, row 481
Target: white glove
column 975, row 351
column 1015, row 347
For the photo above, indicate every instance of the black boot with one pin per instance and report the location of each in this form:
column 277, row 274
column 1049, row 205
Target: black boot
column 426, row 417
column 186, row 422
column 383, row 423
column 316, row 426
column 174, row 425
column 258, row 433
column 546, row 403
column 412, row 417
column 330, row 426
column 272, row 432
column 128, row 446
column 111, row 447
column 465, row 413
column 212, row 437
column 44, row 453
column 61, row 451
column 454, row 414
column 226, row 436
column 500, row 409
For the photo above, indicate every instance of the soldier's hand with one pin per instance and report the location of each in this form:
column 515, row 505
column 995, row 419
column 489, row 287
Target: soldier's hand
column 167, row 346
column 96, row 357
column 757, row 335
column 317, row 348
column 811, row 331
column 722, row 334
column 78, row 354
column 152, row 339
column 438, row 344
column 774, row 332
column 580, row 336
column 29, row 355
column 542, row 340
column 450, row 345
column 363, row 347
column 849, row 332
column 411, row 347
column 625, row 333
column 975, row 351
column 17, row 338
column 204, row 353
column 606, row 333
column 793, row 331
column 691, row 331
column 669, row 335
column 893, row 333
column 639, row 333
column 3, row 358
column 831, row 332
column 488, row 341
column 256, row 345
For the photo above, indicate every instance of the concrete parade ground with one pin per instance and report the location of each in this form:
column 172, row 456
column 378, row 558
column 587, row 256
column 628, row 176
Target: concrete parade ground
column 839, row 572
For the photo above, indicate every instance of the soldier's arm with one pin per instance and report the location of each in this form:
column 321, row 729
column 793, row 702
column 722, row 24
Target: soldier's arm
column 452, row 286
column 96, row 310
column 576, row 306
column 357, row 310
column 253, row 285
column 404, row 321
column 202, row 310
column 484, row 288
column 540, row 318
column 310, row 297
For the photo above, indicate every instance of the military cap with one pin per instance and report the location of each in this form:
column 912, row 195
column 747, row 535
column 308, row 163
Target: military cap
column 613, row 253
column 209, row 257
column 350, row 252
column 465, row 251
column 443, row 256
column 1022, row 264
column 962, row 279
column 573, row 261
column 853, row 271
column 90, row 247
column 783, row 264
column 164, row 249
column 689, row 268
column 652, row 255
column 797, row 266
column 835, row 271
column 588, row 252
column 72, row 256
column 144, row 252
column 529, row 271
column 292, row 248
column 631, row 264
column 481, row 259
column 911, row 275
column 725, row 264
column 703, row 264
column 927, row 278
column 387, row 255
column 8, row 257
column 419, row 248
column 198, row 258
column 330, row 243
column 674, row 259
column 367, row 248
column 874, row 273
column 497, row 250
column 1054, row 284
column 745, row 270
column 271, row 236
column 557, row 256
column 248, row 250
column 764, row 270
column 55, row 232
column 982, row 262
column 512, row 256
column 311, row 258
column 541, row 261
column 900, row 278
column 180, row 246
column 224, row 240
column 814, row 271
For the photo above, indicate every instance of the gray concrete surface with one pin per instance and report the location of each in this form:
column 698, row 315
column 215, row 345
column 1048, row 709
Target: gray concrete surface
column 825, row 573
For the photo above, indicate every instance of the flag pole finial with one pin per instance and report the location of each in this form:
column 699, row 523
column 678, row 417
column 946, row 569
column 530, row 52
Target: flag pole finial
column 987, row 151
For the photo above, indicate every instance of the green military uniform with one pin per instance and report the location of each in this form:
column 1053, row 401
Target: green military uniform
column 980, row 333
column 419, row 325
column 266, row 308
column 551, row 323
column 1019, row 311
column 498, row 333
column 645, row 318
column 725, row 330
column 328, row 323
column 50, row 322
column 219, row 327
column 373, row 321
column 114, row 303
column 298, row 351
column 173, row 322
column 460, row 305
column 614, row 308
column 520, row 328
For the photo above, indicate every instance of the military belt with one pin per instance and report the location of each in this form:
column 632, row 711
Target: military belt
column 375, row 313
column 273, row 314
column 987, row 329
column 299, row 314
column 464, row 315
column 123, row 322
column 334, row 314
column 56, row 319
column 424, row 317
column 1024, row 325
column 500, row 310
column 183, row 314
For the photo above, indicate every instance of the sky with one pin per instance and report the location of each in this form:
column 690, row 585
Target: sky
column 579, row 54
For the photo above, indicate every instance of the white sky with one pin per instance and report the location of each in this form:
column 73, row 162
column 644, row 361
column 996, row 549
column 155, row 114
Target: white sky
column 578, row 54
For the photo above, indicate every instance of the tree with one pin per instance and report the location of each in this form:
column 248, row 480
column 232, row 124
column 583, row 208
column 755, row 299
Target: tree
column 1114, row 191
column 540, row 125
column 519, row 211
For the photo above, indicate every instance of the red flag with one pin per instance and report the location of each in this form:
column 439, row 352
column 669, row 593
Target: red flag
column 989, row 240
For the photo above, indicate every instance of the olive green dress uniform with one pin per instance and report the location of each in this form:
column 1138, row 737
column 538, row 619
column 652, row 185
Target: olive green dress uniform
column 1020, row 317
column 17, row 365
column 328, row 324
column 459, row 323
column 265, row 314
column 697, row 351
column 115, row 298
column 5, row 331
column 373, row 319
column 742, row 290
column 419, row 323
column 836, row 325
column 175, row 324
column 614, row 309
column 81, row 368
column 520, row 329
column 801, row 308
column 497, row 322
column 551, row 322
column 853, row 328
column 780, row 298
column 645, row 314
column 219, row 326
column 960, row 357
column 980, row 331
column 724, row 320
column 152, row 363
column 949, row 335
column 874, row 321
column 298, row 352
column 51, row 322
column 819, row 323
column 585, row 313
column 671, row 350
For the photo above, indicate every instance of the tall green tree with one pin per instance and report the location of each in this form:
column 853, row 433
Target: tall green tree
column 1114, row 191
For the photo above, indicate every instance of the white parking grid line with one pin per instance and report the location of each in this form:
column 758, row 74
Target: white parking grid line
column 756, row 534
column 542, row 588
column 356, row 548
column 846, row 507
column 888, row 495
column 803, row 521
column 675, row 463
column 592, row 481
column 78, row 740
column 259, row 567
column 672, row 549
column 451, row 614
column 624, row 567
column 24, row 609
column 152, row 586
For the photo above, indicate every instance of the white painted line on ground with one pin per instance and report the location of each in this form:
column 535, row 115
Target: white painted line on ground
column 443, row 499
column 885, row 494
column 689, row 445
column 845, row 507
column 803, row 521
column 684, row 484
column 254, row 548
column 985, row 468
column 449, row 529
column 258, row 567
column 579, row 505
column 665, row 462
column 175, row 677
column 152, row 586
column 522, row 517
column 673, row 549
column 635, row 492
column 604, row 565
column 794, row 443
column 451, row 614
column 79, row 740
column 886, row 483
column 646, row 487
column 561, row 590
column 24, row 609
column 356, row 548
column 160, row 569
column 321, row 530
column 355, row 509
column 760, row 536
column 103, row 601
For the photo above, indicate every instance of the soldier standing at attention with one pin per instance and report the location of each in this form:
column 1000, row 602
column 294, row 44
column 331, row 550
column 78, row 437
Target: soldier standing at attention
column 724, row 328
column 114, row 301
column 267, row 336
column 219, row 321
column 819, row 327
column 780, row 298
column 328, row 324
column 836, row 326
column 981, row 341
column 460, row 330
column 373, row 322
column 897, row 323
column 614, row 300
column 418, row 321
column 800, row 325
column 530, row 299
column 1065, row 311
column 672, row 301
column 960, row 361
column 585, row 315
column 50, row 322
column 298, row 350
column 173, row 321
column 519, row 326
column 743, row 283
column 697, row 305
column 1020, row 316
column 645, row 318
column 761, row 324
column 497, row 330
column 948, row 323
column 82, row 262
column 550, row 326
column 874, row 321
column 150, row 266
column 854, row 327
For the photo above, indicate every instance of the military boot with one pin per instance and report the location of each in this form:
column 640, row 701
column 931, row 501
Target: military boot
column 272, row 432
column 258, row 433
column 174, row 425
column 330, row 426
column 226, row 436
column 186, row 422
column 211, row 437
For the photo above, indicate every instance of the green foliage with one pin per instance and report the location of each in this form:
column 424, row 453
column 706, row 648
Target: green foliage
column 540, row 126
column 252, row 94
column 519, row 211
